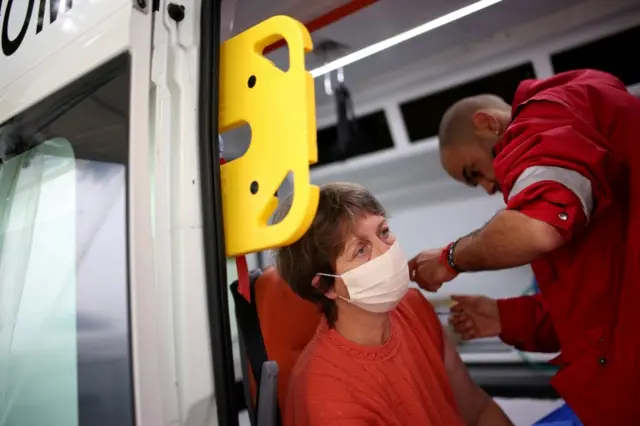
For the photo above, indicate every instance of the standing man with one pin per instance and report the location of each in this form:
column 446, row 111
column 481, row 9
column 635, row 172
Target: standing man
column 566, row 158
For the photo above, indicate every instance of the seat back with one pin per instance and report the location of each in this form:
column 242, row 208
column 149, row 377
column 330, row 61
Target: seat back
column 276, row 325
column 287, row 322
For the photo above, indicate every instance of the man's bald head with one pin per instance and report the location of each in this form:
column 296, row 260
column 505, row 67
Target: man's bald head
column 468, row 132
column 457, row 125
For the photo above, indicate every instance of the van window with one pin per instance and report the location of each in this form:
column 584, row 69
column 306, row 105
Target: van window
column 374, row 135
column 422, row 115
column 65, row 356
column 605, row 54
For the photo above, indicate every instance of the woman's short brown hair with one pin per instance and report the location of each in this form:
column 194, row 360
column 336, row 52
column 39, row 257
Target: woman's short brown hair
column 316, row 252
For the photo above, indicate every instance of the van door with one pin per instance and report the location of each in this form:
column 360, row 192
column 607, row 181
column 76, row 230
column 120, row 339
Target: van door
column 78, row 312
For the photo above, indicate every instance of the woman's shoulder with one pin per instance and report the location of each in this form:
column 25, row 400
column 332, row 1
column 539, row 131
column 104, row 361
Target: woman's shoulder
column 415, row 302
column 419, row 317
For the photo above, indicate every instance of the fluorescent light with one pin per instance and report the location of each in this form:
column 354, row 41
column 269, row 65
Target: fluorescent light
column 399, row 38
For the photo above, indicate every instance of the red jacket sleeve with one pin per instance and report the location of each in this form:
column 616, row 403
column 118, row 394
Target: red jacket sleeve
column 555, row 166
column 527, row 325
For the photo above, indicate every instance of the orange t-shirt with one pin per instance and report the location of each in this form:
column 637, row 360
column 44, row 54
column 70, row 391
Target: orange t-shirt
column 403, row 382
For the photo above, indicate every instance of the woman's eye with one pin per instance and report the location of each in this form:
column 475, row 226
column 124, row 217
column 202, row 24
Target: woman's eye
column 385, row 233
column 361, row 251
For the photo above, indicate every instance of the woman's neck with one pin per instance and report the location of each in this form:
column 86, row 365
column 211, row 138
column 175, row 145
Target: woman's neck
column 363, row 327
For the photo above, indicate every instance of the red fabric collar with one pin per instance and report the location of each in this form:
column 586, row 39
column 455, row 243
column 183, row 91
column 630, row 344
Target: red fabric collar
column 523, row 93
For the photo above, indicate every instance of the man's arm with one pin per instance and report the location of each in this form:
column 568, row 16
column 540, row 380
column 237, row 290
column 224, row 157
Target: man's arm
column 526, row 324
column 510, row 239
column 475, row 406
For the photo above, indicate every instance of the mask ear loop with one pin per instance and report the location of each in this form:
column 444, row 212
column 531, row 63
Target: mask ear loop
column 315, row 281
column 316, row 278
column 331, row 276
column 327, row 275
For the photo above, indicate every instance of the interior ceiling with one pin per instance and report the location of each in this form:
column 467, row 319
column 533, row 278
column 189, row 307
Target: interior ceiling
column 98, row 125
column 386, row 18
column 377, row 22
column 248, row 13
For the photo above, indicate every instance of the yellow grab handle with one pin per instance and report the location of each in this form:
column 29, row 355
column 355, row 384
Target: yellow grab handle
column 280, row 109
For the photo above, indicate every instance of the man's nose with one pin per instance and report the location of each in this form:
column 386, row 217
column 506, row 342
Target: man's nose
column 490, row 187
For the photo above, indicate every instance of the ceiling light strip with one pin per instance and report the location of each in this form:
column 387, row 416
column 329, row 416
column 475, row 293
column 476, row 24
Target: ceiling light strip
column 399, row 38
column 327, row 19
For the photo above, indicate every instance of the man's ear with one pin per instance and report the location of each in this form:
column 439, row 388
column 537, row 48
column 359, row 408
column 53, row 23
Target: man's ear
column 483, row 120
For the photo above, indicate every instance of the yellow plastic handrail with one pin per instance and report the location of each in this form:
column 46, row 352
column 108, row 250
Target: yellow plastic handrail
column 279, row 106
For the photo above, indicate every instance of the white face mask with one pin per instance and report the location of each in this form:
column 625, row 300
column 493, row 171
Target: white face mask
column 380, row 284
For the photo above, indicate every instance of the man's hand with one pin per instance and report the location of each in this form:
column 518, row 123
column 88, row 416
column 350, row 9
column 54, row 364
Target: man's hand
column 427, row 270
column 475, row 317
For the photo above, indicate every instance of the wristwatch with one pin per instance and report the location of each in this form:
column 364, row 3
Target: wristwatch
column 447, row 257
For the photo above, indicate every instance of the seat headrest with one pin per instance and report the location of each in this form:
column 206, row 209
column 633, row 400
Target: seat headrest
column 287, row 321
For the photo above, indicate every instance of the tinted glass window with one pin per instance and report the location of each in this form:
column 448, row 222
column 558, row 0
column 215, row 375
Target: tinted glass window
column 65, row 355
column 422, row 115
column 610, row 54
column 374, row 135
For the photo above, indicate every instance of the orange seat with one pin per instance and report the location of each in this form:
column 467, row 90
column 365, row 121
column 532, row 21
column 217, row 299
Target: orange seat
column 286, row 323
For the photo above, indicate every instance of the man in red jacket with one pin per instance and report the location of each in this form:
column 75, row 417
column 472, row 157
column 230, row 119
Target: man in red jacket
column 566, row 158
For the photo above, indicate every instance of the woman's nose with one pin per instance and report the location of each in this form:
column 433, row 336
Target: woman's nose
column 380, row 247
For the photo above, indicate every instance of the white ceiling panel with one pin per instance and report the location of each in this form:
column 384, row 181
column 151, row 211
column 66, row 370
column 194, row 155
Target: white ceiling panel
column 387, row 18
column 384, row 19
column 374, row 24
column 250, row 12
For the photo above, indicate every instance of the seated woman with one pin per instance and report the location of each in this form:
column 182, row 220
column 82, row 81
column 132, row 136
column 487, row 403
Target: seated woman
column 380, row 355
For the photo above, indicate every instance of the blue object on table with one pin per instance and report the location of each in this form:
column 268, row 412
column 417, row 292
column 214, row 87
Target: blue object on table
column 563, row 416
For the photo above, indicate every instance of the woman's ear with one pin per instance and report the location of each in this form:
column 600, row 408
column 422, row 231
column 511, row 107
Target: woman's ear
column 330, row 293
column 315, row 282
